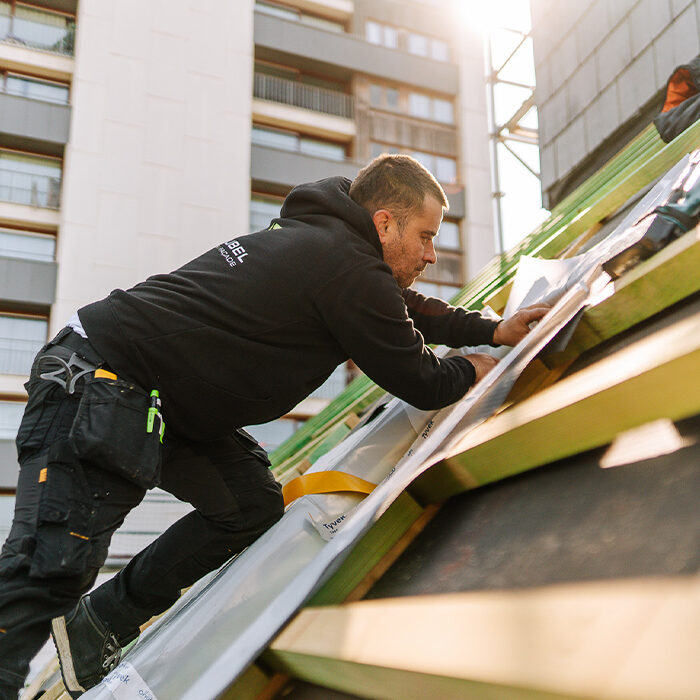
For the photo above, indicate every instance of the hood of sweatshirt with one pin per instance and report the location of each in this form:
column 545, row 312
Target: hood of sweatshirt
column 330, row 197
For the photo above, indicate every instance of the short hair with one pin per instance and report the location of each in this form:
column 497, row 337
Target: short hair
column 398, row 183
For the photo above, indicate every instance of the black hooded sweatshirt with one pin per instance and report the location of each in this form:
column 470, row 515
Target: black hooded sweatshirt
column 241, row 334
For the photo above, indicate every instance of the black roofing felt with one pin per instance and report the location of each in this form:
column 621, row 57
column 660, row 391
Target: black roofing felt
column 567, row 522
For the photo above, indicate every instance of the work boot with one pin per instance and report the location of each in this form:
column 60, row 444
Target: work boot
column 87, row 650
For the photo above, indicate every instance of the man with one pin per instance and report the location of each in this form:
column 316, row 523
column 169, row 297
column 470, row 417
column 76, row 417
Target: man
column 237, row 336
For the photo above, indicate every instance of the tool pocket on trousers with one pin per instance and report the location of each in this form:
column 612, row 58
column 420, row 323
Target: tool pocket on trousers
column 110, row 431
column 65, row 516
column 47, row 417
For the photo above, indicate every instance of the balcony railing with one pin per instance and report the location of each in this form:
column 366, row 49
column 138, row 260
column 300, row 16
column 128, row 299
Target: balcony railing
column 35, row 190
column 50, row 33
column 289, row 92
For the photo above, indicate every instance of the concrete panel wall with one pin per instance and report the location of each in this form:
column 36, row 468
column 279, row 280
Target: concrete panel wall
column 157, row 168
column 33, row 119
column 600, row 65
column 29, row 281
column 352, row 53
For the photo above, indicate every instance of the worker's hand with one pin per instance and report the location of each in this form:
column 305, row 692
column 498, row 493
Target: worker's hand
column 513, row 330
column 482, row 364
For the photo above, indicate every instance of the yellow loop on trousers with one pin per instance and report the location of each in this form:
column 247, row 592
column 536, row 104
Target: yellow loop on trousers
column 324, row 482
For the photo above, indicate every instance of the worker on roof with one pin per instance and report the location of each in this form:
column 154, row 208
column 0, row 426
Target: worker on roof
column 237, row 336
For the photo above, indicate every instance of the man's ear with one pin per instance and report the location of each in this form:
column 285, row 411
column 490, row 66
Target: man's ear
column 382, row 219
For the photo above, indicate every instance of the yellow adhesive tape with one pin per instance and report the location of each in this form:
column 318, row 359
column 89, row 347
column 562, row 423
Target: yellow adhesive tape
column 324, row 482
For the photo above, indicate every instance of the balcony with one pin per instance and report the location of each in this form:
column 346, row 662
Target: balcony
column 289, row 104
column 36, row 29
column 33, row 190
column 34, row 125
column 343, row 54
column 289, row 168
column 286, row 169
column 28, row 282
column 289, row 92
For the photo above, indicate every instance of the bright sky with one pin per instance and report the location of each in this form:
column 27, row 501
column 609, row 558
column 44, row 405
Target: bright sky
column 504, row 22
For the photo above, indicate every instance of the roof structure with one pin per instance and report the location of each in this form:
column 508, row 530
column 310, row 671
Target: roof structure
column 538, row 539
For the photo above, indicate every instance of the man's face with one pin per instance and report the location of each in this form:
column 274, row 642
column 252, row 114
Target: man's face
column 410, row 249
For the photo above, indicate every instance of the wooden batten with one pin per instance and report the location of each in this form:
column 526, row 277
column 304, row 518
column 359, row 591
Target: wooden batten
column 657, row 377
column 652, row 286
column 611, row 640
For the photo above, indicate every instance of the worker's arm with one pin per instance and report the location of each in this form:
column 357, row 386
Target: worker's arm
column 443, row 324
column 453, row 326
column 365, row 312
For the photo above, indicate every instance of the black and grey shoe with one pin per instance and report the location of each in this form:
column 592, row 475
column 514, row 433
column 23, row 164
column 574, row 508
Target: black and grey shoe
column 87, row 650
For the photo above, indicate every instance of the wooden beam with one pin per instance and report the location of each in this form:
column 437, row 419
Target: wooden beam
column 654, row 285
column 610, row 640
column 657, row 377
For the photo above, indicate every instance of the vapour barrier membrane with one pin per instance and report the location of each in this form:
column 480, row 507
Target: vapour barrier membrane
column 219, row 627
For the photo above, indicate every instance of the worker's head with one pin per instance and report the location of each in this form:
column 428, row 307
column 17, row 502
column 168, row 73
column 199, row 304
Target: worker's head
column 406, row 204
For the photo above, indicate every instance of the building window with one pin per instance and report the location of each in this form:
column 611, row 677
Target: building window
column 417, row 44
column 413, row 42
column 10, row 418
column 294, row 15
column 262, row 211
column 419, row 106
column 32, row 180
column 447, row 270
column 26, row 245
column 426, row 107
column 321, row 149
column 443, row 111
column 34, row 88
column 37, row 28
column 381, row 34
column 439, row 50
column 448, row 236
column 383, row 97
column 290, row 141
column 376, row 149
column 444, row 169
column 422, row 45
column 20, row 340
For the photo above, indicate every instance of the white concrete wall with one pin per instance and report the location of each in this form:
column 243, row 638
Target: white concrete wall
column 157, row 167
column 477, row 226
column 597, row 63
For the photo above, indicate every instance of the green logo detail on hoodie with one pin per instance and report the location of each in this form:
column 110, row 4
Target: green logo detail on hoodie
column 273, row 226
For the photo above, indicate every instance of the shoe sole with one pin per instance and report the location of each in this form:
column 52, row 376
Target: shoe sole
column 60, row 640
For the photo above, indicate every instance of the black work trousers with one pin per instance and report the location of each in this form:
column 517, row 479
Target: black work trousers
column 228, row 481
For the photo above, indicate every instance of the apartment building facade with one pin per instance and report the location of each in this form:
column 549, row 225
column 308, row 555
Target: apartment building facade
column 602, row 68
column 135, row 135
